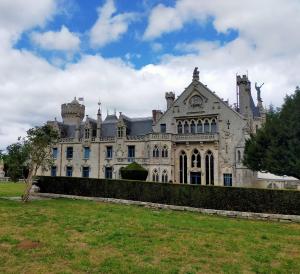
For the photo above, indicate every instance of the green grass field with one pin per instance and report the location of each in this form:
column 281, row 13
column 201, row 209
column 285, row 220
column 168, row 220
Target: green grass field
column 66, row 236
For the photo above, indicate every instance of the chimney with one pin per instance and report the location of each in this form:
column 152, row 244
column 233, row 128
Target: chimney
column 156, row 114
column 170, row 98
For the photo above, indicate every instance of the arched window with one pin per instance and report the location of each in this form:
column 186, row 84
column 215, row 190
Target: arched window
column 193, row 127
column 164, row 176
column 199, row 127
column 155, row 152
column 196, row 159
column 209, row 168
column 155, row 176
column 86, row 133
column 164, row 152
column 186, row 127
column 239, row 156
column 213, row 126
column 183, row 168
column 179, row 128
column 206, row 126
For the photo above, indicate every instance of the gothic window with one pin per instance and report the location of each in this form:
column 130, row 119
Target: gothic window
column 155, row 152
column 209, row 168
column 164, row 176
column 199, row 127
column 155, row 176
column 206, row 126
column 164, row 152
column 179, row 128
column 186, row 127
column 183, row 168
column 86, row 133
column 193, row 127
column 213, row 126
column 196, row 159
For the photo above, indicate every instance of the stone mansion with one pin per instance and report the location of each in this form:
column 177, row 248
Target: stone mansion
column 198, row 139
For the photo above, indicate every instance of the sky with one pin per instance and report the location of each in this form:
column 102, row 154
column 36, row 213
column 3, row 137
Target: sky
column 128, row 53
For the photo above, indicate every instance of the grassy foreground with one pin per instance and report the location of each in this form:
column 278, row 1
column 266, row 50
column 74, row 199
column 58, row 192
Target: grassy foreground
column 65, row 236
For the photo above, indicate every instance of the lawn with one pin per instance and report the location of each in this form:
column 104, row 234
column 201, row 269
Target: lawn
column 66, row 236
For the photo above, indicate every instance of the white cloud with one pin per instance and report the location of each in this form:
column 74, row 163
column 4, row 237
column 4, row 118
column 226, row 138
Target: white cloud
column 19, row 15
column 56, row 40
column 109, row 27
column 156, row 47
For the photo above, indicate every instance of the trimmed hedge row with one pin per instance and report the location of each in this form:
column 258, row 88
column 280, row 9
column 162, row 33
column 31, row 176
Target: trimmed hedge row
column 212, row 197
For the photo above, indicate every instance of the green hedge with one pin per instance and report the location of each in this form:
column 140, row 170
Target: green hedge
column 213, row 197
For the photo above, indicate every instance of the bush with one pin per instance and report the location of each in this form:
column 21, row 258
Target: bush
column 213, row 197
column 134, row 171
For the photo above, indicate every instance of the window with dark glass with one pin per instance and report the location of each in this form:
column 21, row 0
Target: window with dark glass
column 54, row 152
column 227, row 179
column 69, row 152
column 213, row 126
column 120, row 132
column 85, row 171
column 186, row 127
column 86, row 133
column 209, row 168
column 86, row 152
column 163, row 128
column 53, row 171
column 109, row 152
column 179, row 128
column 108, row 172
column 69, row 171
column 199, row 127
column 155, row 176
column 155, row 152
column 164, row 152
column 196, row 159
column 206, row 126
column 131, row 153
column 164, row 176
column 193, row 127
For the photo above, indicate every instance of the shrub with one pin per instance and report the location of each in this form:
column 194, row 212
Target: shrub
column 213, row 197
column 134, row 171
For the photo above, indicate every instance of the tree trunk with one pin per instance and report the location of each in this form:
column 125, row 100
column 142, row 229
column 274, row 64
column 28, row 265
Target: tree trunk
column 29, row 181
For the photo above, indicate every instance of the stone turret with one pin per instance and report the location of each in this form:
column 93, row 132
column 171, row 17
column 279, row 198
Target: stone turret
column 170, row 98
column 244, row 86
column 72, row 113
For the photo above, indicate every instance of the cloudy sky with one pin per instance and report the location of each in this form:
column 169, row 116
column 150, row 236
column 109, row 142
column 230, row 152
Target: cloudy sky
column 128, row 53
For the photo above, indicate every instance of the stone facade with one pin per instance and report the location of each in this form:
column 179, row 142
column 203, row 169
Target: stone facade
column 198, row 139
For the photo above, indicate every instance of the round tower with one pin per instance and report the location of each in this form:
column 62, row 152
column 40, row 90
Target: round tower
column 72, row 113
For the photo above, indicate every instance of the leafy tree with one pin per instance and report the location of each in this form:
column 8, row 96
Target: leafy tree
column 276, row 146
column 32, row 152
column 16, row 157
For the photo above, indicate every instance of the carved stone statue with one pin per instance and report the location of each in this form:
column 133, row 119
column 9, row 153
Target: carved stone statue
column 196, row 74
column 258, row 91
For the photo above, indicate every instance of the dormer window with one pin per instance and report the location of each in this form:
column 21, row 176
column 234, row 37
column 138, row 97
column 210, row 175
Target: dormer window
column 120, row 132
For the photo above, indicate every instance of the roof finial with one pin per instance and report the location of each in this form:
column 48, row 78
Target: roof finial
column 196, row 74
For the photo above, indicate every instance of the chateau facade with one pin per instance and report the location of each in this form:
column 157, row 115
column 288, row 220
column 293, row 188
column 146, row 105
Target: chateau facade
column 198, row 139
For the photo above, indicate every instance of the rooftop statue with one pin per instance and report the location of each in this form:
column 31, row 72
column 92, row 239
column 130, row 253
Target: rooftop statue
column 258, row 91
column 196, row 74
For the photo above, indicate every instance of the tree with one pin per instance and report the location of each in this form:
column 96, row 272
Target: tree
column 15, row 159
column 276, row 146
column 32, row 152
column 39, row 141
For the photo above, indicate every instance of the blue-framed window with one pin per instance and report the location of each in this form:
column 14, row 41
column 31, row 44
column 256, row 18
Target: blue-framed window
column 109, row 152
column 54, row 152
column 69, row 171
column 85, row 171
column 131, row 153
column 53, row 171
column 227, row 179
column 69, row 152
column 86, row 152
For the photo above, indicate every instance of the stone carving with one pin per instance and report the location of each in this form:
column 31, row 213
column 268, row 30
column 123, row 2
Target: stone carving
column 258, row 91
column 196, row 74
column 196, row 101
column 2, row 173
